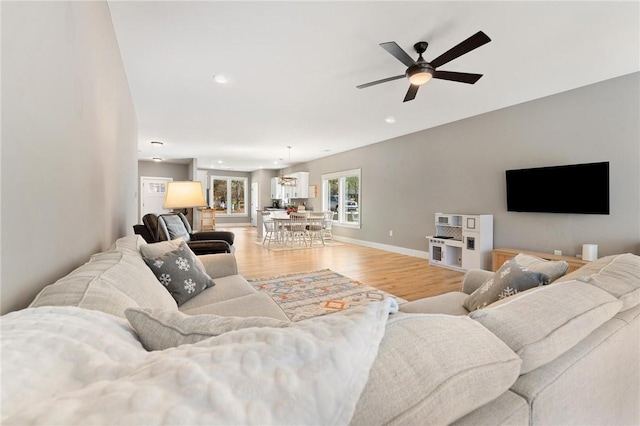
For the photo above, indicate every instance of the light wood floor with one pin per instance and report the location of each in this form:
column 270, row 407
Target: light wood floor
column 408, row 277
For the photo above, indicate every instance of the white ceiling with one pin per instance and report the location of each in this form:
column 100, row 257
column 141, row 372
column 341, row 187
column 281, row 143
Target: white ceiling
column 294, row 67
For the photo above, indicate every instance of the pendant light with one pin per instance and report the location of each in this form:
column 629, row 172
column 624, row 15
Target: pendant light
column 287, row 180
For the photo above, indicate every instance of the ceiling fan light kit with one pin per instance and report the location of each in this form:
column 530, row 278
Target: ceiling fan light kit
column 420, row 71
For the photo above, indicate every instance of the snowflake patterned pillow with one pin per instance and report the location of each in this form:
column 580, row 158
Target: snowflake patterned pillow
column 510, row 279
column 178, row 271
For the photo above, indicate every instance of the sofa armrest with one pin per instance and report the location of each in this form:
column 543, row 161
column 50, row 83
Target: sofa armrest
column 214, row 235
column 474, row 278
column 219, row 265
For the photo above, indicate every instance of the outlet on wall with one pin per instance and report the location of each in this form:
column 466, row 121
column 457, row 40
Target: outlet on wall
column 391, row 232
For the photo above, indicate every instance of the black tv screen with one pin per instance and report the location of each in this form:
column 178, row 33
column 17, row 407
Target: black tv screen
column 575, row 188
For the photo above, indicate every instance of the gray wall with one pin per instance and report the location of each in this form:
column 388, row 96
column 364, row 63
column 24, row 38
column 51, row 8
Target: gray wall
column 163, row 169
column 69, row 142
column 459, row 168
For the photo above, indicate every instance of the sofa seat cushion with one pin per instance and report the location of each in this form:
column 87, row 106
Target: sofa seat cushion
column 447, row 303
column 618, row 275
column 434, row 369
column 110, row 282
column 543, row 323
column 250, row 305
column 161, row 329
column 225, row 288
column 507, row 409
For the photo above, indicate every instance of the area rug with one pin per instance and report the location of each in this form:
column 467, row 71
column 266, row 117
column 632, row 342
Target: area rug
column 311, row 294
column 282, row 247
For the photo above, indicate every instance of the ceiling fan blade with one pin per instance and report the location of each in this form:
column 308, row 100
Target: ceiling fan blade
column 461, row 77
column 393, row 48
column 473, row 42
column 411, row 93
column 384, row 80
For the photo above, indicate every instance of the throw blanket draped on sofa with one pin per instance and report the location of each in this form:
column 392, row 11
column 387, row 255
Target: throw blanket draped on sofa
column 75, row 366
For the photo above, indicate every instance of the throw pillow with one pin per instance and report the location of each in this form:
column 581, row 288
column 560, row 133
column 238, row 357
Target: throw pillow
column 554, row 268
column 163, row 247
column 161, row 329
column 175, row 226
column 510, row 279
column 177, row 270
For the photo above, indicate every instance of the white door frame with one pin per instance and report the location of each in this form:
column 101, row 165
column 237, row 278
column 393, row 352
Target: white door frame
column 142, row 192
column 254, row 214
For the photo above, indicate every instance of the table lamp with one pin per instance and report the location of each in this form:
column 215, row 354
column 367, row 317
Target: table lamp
column 184, row 195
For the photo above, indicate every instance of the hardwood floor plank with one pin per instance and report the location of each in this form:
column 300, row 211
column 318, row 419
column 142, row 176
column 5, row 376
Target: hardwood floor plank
column 407, row 277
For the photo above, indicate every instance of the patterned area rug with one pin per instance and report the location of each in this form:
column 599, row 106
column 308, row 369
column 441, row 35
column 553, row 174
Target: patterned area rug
column 317, row 293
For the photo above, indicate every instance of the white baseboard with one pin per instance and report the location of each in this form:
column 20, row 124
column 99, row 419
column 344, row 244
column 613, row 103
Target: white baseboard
column 386, row 247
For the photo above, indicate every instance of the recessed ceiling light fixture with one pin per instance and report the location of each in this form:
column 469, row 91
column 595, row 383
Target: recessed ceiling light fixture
column 157, row 159
column 390, row 120
column 157, row 144
column 221, row 79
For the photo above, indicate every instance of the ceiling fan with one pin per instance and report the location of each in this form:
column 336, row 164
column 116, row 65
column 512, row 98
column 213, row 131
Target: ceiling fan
column 421, row 71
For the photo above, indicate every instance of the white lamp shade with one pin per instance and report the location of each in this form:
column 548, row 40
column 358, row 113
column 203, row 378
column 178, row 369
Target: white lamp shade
column 183, row 195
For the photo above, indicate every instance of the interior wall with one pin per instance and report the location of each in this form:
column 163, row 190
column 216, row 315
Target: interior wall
column 69, row 143
column 460, row 168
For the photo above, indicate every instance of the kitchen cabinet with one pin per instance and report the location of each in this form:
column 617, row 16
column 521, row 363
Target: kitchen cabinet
column 276, row 189
column 299, row 190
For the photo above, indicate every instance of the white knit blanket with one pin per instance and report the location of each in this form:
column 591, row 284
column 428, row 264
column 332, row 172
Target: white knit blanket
column 66, row 365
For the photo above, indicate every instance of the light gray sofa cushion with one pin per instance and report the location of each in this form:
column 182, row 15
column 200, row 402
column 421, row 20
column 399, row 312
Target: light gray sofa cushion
column 110, row 282
column 225, row 288
column 543, row 323
column 618, row 275
column 161, row 329
column 434, row 369
column 510, row 279
column 447, row 303
column 507, row 409
column 251, row 305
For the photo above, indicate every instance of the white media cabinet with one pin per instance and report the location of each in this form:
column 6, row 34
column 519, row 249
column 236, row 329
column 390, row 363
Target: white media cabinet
column 462, row 242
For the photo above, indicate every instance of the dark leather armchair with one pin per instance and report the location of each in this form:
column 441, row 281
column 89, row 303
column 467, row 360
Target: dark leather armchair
column 174, row 225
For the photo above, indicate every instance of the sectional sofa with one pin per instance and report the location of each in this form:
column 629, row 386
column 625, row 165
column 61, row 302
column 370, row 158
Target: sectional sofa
column 109, row 344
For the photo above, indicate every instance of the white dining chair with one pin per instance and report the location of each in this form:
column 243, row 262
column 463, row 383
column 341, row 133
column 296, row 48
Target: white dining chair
column 327, row 226
column 296, row 230
column 315, row 228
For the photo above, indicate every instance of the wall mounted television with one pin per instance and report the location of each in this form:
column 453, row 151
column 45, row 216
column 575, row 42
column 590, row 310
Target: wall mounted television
column 575, row 188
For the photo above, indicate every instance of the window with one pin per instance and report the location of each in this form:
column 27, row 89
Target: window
column 341, row 195
column 228, row 195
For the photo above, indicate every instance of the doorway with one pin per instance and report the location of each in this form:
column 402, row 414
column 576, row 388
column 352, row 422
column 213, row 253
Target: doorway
column 254, row 203
column 153, row 190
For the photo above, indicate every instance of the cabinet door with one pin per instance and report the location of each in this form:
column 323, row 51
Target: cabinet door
column 471, row 254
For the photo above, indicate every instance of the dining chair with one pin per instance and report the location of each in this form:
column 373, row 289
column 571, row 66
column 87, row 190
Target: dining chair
column 315, row 227
column 327, row 226
column 270, row 232
column 296, row 229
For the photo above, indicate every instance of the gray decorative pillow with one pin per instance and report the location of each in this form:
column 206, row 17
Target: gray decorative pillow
column 554, row 268
column 178, row 271
column 163, row 247
column 159, row 329
column 510, row 279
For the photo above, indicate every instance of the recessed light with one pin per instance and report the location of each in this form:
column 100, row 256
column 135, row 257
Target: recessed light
column 157, row 159
column 221, row 78
column 157, row 144
column 390, row 120
column 219, row 161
